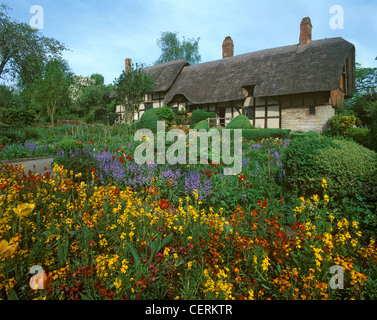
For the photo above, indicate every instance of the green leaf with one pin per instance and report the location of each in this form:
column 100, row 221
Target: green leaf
column 85, row 297
column 134, row 254
column 12, row 294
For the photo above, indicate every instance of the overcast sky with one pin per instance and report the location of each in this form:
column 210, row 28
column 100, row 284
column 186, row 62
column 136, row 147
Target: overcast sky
column 101, row 34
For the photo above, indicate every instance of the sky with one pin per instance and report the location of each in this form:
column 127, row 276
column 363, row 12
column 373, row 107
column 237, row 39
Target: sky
column 102, row 34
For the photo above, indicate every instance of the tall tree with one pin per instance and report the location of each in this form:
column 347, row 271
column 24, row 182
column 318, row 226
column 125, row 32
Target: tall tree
column 52, row 90
column 24, row 50
column 173, row 48
column 131, row 88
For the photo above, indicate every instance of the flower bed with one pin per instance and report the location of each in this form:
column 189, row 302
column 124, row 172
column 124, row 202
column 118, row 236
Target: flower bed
column 105, row 241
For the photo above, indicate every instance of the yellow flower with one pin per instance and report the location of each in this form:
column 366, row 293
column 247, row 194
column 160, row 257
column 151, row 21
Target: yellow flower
column 326, row 198
column 189, row 265
column 23, row 210
column 7, row 250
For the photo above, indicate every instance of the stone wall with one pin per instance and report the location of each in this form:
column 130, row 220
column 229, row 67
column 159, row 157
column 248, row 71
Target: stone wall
column 300, row 119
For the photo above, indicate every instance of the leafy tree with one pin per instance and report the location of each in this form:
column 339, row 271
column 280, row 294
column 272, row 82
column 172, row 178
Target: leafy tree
column 24, row 50
column 365, row 93
column 52, row 90
column 172, row 48
column 98, row 78
column 131, row 88
column 94, row 96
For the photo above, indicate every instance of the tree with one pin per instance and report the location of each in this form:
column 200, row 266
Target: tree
column 52, row 90
column 172, row 48
column 98, row 78
column 365, row 93
column 24, row 50
column 131, row 88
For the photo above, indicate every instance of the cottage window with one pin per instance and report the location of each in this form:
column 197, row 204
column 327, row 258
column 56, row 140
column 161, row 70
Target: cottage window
column 148, row 105
column 312, row 110
column 249, row 113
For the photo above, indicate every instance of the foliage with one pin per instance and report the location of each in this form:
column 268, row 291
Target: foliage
column 340, row 125
column 131, row 88
column 257, row 134
column 303, row 174
column 67, row 145
column 202, row 125
column 166, row 114
column 148, row 120
column 240, row 122
column 199, row 115
column 52, row 90
column 18, row 117
column 173, row 48
column 105, row 242
column 94, row 97
column 361, row 136
column 24, row 50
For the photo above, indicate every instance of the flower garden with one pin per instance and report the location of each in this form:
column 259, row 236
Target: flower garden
column 102, row 227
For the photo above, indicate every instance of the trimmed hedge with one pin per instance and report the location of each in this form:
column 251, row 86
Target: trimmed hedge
column 254, row 134
column 148, row 120
column 240, row 122
column 200, row 115
column 202, row 125
column 18, row 117
column 347, row 166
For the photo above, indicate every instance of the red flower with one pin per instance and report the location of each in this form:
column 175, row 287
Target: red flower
column 164, row 204
column 114, row 157
column 4, row 186
column 121, row 160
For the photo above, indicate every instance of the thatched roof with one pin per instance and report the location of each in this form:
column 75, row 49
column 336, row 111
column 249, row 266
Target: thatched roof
column 315, row 67
column 166, row 73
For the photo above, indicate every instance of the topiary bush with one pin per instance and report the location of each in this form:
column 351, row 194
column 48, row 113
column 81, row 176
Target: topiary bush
column 303, row 175
column 240, row 122
column 68, row 145
column 200, row 115
column 347, row 167
column 202, row 125
column 148, row 120
column 166, row 114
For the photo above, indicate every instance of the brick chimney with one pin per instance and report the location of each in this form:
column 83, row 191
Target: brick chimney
column 128, row 65
column 305, row 31
column 228, row 47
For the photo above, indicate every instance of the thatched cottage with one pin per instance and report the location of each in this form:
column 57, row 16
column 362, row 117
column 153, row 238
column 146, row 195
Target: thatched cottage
column 292, row 87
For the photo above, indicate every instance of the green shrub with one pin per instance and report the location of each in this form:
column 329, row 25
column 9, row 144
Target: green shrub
column 303, row 174
column 31, row 133
column 340, row 125
column 17, row 117
column 166, row 114
column 200, row 115
column 348, row 169
column 67, row 145
column 303, row 134
column 148, row 120
column 82, row 162
column 202, row 125
column 257, row 134
column 240, row 122
column 362, row 136
column 347, row 166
